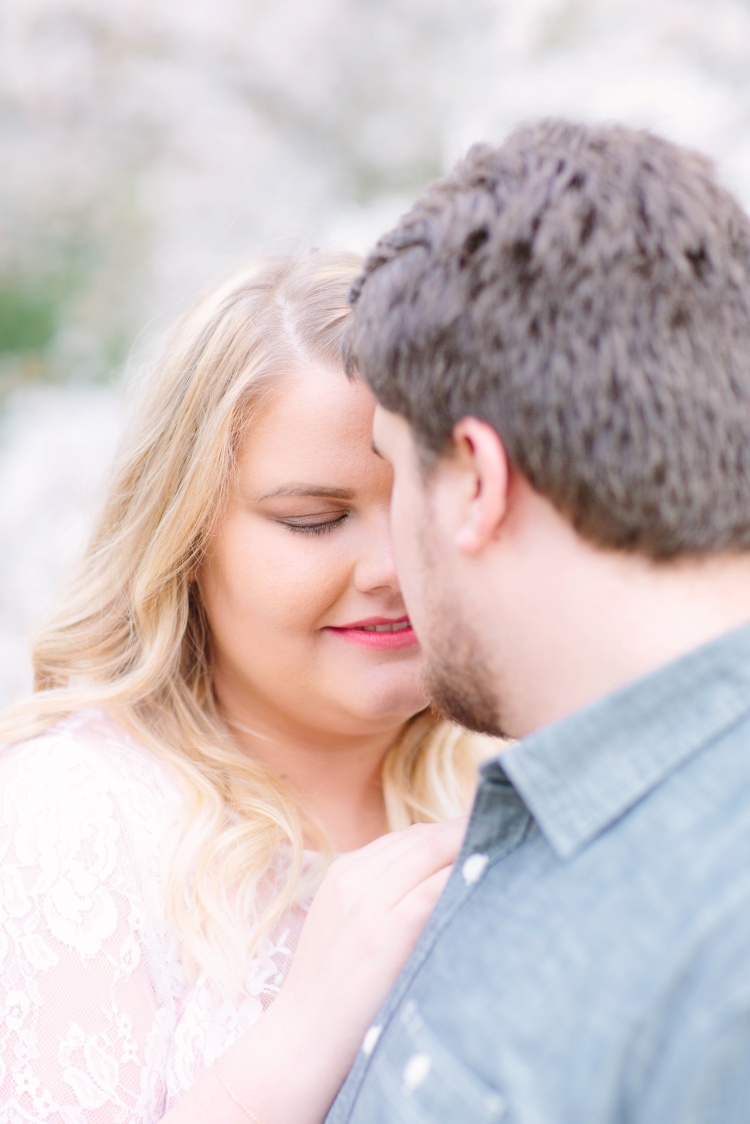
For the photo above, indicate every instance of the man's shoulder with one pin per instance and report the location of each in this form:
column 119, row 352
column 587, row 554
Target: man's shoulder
column 539, row 969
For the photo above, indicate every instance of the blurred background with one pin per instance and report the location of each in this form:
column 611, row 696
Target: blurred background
column 149, row 146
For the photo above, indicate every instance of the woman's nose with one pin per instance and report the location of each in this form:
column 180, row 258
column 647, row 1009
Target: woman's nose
column 375, row 567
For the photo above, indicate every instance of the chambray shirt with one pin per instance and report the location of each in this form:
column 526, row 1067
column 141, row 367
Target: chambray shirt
column 589, row 961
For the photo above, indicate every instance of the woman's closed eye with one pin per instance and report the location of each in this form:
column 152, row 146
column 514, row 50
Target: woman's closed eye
column 314, row 524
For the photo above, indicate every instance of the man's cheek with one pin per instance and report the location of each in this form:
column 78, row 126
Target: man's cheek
column 412, row 578
column 400, row 529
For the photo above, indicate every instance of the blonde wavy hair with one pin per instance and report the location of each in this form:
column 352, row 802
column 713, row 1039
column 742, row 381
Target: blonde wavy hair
column 131, row 635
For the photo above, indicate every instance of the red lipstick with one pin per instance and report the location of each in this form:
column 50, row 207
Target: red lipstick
column 383, row 634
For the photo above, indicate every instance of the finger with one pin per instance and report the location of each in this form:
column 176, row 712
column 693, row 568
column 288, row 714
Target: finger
column 413, row 910
column 414, row 866
column 398, row 841
column 385, row 877
column 403, row 857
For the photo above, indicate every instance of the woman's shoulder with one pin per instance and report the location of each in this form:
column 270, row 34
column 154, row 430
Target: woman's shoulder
column 84, row 758
column 84, row 813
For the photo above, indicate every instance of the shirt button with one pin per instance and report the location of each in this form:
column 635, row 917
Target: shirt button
column 371, row 1040
column 415, row 1071
column 473, row 868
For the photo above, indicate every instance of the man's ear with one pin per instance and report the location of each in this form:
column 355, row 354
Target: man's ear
column 483, row 456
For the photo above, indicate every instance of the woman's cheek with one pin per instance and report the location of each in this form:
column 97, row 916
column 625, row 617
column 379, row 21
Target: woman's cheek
column 301, row 579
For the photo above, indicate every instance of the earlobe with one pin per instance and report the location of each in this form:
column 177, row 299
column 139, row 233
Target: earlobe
column 487, row 463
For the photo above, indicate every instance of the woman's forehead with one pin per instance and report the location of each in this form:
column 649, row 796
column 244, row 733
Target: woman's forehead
column 318, row 421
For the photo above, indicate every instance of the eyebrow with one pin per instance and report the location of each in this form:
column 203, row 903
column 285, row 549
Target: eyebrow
column 309, row 490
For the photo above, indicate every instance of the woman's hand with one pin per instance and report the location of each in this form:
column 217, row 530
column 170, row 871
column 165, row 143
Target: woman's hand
column 363, row 924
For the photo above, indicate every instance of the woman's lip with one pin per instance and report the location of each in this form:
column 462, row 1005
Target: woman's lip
column 379, row 641
column 373, row 620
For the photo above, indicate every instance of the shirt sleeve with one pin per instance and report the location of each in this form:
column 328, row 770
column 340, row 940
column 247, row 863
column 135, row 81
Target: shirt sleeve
column 84, row 1031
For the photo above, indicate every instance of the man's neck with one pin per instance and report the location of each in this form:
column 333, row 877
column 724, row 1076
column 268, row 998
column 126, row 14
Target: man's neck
column 606, row 619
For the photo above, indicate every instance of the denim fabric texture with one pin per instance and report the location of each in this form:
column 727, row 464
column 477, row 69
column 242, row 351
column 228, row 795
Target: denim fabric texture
column 589, row 961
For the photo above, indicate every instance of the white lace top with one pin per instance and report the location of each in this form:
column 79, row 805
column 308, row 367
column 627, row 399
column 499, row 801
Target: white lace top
column 98, row 1021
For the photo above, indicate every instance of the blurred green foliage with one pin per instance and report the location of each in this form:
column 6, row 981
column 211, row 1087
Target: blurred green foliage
column 63, row 315
column 29, row 312
column 32, row 309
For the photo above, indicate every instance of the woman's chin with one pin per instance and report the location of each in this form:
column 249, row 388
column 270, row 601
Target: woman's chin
column 396, row 706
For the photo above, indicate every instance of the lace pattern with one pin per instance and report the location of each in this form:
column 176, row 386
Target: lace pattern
column 99, row 1023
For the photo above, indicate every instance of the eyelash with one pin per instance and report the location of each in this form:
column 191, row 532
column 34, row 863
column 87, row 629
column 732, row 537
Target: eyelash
column 315, row 528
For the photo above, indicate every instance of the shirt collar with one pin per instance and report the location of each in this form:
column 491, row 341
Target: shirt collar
column 580, row 774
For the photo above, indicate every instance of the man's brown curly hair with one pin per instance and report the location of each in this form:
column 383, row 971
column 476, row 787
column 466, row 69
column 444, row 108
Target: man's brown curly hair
column 584, row 289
